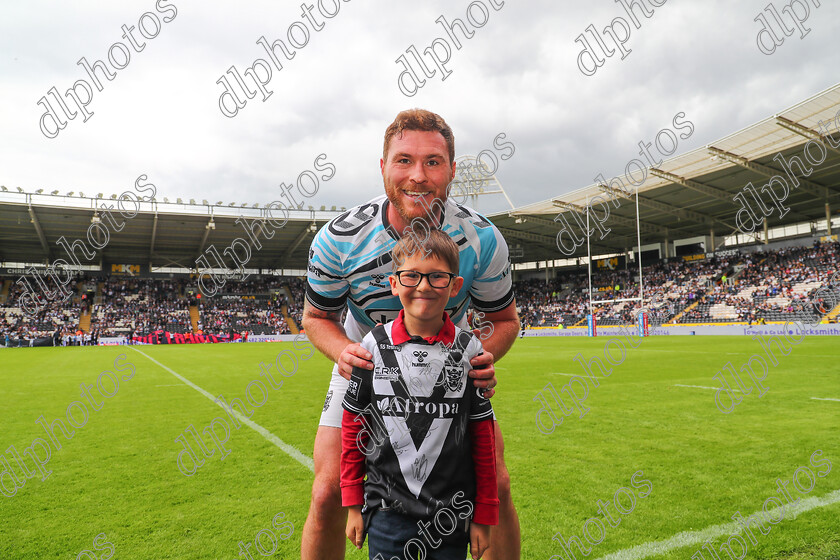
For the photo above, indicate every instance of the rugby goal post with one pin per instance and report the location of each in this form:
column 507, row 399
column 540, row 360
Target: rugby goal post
column 641, row 316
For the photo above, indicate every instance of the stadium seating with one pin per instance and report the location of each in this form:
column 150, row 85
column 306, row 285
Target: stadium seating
column 770, row 286
column 124, row 305
column 759, row 287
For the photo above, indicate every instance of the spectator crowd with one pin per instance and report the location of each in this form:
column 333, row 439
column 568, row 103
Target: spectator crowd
column 742, row 287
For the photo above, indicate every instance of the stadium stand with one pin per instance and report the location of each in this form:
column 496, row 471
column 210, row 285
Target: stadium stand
column 758, row 287
column 749, row 288
column 121, row 306
column 770, row 287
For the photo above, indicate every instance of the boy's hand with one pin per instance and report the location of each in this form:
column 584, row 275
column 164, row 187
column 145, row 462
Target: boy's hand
column 355, row 526
column 479, row 540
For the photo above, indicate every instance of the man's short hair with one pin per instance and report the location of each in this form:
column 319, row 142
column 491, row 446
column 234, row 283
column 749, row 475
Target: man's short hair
column 437, row 244
column 419, row 119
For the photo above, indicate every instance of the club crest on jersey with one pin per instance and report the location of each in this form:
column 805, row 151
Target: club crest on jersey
column 454, row 378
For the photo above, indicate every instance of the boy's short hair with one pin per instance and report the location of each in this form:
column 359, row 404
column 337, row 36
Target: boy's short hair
column 437, row 244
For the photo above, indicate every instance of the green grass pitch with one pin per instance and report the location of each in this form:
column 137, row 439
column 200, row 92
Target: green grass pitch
column 118, row 474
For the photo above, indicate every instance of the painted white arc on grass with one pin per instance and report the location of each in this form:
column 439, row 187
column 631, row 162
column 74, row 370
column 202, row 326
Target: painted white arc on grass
column 288, row 449
column 821, row 399
column 702, row 387
column 688, row 538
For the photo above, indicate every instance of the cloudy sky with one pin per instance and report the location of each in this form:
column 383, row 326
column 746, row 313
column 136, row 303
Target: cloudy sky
column 518, row 74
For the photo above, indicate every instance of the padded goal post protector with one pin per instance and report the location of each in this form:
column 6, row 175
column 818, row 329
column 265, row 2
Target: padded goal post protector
column 590, row 325
column 643, row 324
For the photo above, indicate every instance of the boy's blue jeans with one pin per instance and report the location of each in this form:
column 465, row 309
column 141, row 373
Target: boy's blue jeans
column 393, row 536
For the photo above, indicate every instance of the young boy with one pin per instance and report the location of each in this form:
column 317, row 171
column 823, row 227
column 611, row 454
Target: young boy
column 416, row 425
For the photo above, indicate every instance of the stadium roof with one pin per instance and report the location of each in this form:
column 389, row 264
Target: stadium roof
column 160, row 235
column 686, row 196
column 692, row 194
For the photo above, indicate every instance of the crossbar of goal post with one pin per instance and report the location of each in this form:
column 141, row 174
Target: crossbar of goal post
column 641, row 297
column 600, row 301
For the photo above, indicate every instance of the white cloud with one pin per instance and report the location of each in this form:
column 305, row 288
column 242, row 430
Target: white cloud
column 518, row 74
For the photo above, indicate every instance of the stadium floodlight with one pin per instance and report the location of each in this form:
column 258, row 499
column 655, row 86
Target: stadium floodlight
column 256, row 205
column 95, row 219
column 81, row 194
column 323, row 208
column 204, row 201
column 55, row 192
column 210, row 225
column 313, row 228
column 39, row 191
column 113, row 197
column 244, row 204
column 71, row 193
column 99, row 195
column 20, row 189
column 165, row 199
column 232, row 204
column 4, row 188
column 219, row 203
column 311, row 207
column 343, row 208
column 192, row 201
column 332, row 209
column 180, row 201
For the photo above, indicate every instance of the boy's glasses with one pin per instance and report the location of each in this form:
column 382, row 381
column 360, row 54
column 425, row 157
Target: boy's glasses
column 412, row 278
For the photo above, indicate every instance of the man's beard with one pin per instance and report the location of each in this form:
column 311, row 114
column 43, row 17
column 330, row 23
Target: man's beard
column 428, row 217
column 421, row 208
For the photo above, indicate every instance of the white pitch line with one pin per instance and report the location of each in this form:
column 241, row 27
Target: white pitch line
column 175, row 385
column 746, row 353
column 688, row 538
column 697, row 352
column 702, row 387
column 819, row 399
column 566, row 374
column 290, row 450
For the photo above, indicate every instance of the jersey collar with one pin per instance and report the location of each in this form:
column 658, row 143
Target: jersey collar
column 446, row 334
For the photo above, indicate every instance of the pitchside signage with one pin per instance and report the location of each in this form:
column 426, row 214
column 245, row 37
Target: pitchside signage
column 727, row 253
column 131, row 269
column 611, row 263
column 165, row 337
column 14, row 271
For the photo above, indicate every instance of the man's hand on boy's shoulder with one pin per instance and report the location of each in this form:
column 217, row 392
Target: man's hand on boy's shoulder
column 354, row 355
column 484, row 373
